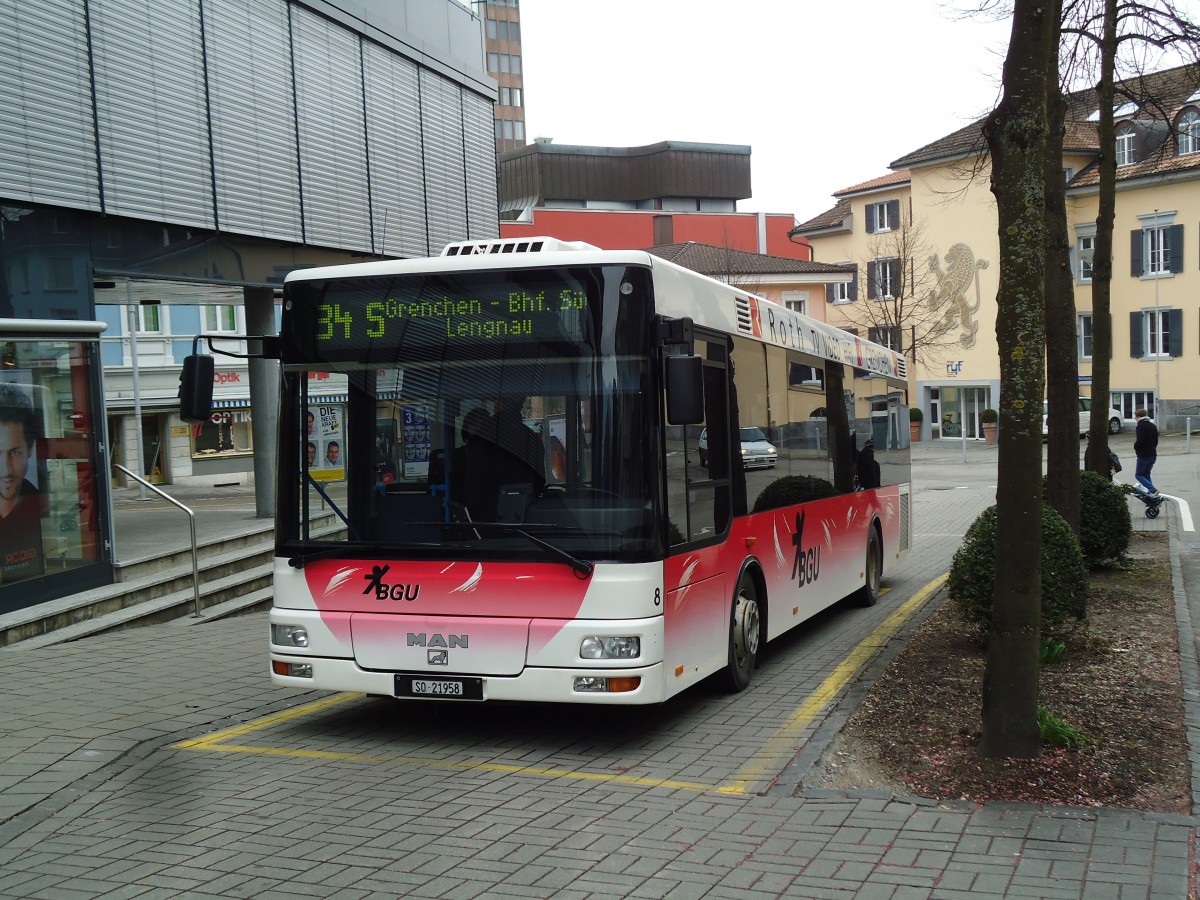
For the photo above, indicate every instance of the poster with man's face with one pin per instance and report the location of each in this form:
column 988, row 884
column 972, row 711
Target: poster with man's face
column 325, row 442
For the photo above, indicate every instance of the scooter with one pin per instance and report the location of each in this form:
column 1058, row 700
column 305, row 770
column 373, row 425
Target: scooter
column 1151, row 501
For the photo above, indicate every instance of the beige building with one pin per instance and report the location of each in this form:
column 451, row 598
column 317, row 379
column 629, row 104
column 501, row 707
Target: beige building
column 923, row 240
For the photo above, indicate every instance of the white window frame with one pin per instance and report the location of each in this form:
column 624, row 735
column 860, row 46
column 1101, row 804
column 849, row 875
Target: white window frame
column 841, row 292
column 1154, row 250
column 1082, row 243
column 217, row 318
column 1156, row 334
column 1084, row 335
column 1125, row 140
column 149, row 318
column 883, row 278
column 878, row 213
column 797, row 301
column 1189, row 132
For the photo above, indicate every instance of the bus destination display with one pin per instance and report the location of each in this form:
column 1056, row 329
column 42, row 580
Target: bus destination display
column 554, row 313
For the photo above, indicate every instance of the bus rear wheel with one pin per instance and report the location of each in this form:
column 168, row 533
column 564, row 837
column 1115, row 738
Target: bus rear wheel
column 868, row 594
column 744, row 632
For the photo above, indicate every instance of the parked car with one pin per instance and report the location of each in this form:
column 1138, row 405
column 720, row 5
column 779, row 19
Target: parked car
column 1115, row 420
column 757, row 451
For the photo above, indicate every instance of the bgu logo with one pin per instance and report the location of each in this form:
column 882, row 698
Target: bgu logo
column 385, row 591
column 807, row 565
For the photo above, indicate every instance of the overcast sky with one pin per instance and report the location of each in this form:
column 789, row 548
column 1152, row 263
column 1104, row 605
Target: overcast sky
column 826, row 94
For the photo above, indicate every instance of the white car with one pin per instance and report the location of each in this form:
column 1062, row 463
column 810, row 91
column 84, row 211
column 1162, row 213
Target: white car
column 757, row 451
column 1115, row 420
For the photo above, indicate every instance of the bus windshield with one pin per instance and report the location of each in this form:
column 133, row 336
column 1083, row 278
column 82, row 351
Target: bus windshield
column 492, row 415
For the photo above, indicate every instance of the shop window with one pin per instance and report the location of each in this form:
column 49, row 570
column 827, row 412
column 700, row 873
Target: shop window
column 227, row 433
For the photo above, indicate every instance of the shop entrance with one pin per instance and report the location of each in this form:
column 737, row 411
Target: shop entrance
column 958, row 408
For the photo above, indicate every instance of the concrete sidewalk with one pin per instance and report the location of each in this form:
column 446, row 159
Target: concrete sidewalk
column 96, row 799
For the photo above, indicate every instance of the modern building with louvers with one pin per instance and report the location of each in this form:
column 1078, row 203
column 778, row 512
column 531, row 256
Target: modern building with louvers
column 163, row 166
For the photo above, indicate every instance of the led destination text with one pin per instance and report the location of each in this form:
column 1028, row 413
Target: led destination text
column 518, row 313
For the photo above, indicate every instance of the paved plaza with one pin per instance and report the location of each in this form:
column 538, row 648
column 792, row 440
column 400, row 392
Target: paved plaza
column 160, row 762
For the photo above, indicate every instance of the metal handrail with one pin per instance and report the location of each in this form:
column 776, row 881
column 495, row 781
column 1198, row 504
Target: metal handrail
column 191, row 522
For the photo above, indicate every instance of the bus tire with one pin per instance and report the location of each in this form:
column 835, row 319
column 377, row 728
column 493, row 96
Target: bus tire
column 868, row 594
column 745, row 631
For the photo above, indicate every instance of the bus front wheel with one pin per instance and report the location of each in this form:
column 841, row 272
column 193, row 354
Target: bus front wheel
column 744, row 631
column 868, row 594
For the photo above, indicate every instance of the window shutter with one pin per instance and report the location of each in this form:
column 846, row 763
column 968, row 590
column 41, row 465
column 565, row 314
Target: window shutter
column 896, row 272
column 829, row 293
column 1135, row 254
column 1175, row 249
column 854, row 285
column 1136, row 342
column 870, row 218
column 1175, row 327
column 893, row 208
column 872, row 280
column 897, row 338
column 873, row 335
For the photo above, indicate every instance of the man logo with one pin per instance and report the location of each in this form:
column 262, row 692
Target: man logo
column 438, row 658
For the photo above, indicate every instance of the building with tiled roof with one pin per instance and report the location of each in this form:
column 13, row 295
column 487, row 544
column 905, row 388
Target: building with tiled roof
column 798, row 284
column 926, row 235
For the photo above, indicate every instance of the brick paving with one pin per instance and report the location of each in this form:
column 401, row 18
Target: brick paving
column 116, row 779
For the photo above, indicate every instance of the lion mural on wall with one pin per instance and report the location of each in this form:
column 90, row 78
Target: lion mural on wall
column 951, row 291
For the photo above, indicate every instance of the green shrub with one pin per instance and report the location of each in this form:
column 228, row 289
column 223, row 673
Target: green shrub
column 1058, row 733
column 1064, row 576
column 989, row 415
column 793, row 489
column 915, row 414
column 1104, row 524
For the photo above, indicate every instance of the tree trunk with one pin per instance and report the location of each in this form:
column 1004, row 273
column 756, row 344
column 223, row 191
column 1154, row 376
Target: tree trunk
column 1016, row 136
column 1062, row 355
column 1102, row 258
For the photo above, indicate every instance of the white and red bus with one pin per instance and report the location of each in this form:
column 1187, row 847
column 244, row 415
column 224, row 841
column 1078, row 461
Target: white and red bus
column 517, row 508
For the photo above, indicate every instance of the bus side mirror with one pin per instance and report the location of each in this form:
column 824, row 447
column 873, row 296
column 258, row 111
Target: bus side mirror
column 196, row 388
column 685, row 390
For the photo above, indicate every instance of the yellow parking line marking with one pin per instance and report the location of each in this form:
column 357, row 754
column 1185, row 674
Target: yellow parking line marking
column 780, row 745
column 508, row 769
column 783, row 743
column 209, row 741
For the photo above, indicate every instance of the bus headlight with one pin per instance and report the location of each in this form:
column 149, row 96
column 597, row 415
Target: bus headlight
column 596, row 647
column 289, row 636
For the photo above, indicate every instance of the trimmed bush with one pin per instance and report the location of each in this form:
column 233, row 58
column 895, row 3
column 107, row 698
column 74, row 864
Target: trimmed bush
column 915, row 414
column 1105, row 527
column 793, row 489
column 1064, row 576
column 989, row 415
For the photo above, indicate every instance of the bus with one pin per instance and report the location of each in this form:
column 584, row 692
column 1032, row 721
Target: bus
column 516, row 507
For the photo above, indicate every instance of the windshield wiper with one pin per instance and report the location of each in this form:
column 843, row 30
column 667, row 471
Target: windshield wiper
column 582, row 566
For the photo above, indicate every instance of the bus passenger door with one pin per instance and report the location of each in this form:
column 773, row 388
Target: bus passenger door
column 698, row 464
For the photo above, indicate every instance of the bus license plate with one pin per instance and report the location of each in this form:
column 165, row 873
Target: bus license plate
column 439, row 688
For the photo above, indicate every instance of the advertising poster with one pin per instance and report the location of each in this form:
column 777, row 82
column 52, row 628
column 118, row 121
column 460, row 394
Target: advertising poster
column 22, row 502
column 416, row 441
column 326, row 444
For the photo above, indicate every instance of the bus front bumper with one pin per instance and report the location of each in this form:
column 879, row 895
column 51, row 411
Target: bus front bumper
column 638, row 685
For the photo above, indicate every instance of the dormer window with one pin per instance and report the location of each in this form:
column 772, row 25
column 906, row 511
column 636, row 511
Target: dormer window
column 1188, row 127
column 1126, row 136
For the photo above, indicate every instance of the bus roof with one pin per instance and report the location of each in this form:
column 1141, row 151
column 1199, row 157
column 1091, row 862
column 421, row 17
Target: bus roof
column 707, row 301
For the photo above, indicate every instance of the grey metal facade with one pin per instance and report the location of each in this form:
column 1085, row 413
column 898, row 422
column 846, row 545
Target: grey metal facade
column 542, row 172
column 308, row 123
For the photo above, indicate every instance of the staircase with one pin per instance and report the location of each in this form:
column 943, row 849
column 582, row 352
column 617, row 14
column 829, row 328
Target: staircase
column 234, row 574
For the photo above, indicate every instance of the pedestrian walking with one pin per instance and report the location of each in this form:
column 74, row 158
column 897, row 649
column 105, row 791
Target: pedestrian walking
column 1145, row 447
